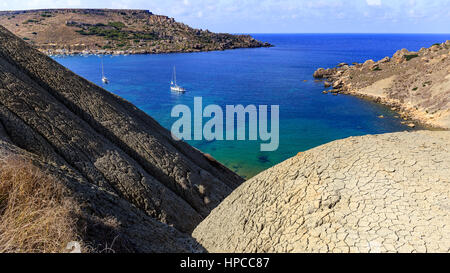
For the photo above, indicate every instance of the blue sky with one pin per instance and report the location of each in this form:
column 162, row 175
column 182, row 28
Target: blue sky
column 282, row 16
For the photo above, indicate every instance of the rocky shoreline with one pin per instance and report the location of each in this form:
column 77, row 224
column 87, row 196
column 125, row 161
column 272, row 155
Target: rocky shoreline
column 63, row 52
column 414, row 84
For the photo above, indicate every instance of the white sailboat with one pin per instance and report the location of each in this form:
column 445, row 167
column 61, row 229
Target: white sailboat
column 104, row 79
column 173, row 84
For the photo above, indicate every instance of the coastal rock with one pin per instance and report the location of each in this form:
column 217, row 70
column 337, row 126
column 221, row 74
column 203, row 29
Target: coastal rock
column 361, row 194
column 337, row 84
column 400, row 53
column 327, row 84
column 385, row 60
column 400, row 56
column 368, row 63
column 119, row 162
column 323, row 73
column 416, row 83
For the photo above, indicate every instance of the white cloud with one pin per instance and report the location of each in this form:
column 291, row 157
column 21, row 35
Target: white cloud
column 73, row 3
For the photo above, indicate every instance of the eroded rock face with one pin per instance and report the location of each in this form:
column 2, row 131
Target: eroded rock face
column 384, row 193
column 66, row 122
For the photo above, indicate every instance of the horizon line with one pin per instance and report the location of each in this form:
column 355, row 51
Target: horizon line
column 368, row 33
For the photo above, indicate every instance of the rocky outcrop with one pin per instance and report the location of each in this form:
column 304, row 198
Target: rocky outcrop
column 416, row 84
column 117, row 160
column 113, row 31
column 382, row 193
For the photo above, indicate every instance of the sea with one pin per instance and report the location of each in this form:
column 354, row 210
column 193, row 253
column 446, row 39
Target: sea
column 280, row 75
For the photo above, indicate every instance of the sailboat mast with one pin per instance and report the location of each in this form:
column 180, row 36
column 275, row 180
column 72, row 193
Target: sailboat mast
column 174, row 75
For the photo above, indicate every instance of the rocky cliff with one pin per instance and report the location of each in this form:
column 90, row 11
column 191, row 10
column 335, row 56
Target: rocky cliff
column 118, row 162
column 417, row 84
column 383, row 193
column 108, row 31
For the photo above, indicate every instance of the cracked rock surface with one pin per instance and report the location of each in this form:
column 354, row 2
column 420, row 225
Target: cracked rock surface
column 382, row 193
column 98, row 140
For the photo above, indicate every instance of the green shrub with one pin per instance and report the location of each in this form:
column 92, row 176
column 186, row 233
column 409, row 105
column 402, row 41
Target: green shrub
column 117, row 25
column 411, row 56
column 29, row 21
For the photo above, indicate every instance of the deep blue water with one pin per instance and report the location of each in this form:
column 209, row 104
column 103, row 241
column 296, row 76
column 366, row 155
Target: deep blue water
column 270, row 76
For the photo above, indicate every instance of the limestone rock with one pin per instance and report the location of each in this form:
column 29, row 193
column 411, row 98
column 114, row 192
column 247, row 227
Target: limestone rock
column 323, row 73
column 368, row 63
column 383, row 193
column 111, row 149
column 385, row 60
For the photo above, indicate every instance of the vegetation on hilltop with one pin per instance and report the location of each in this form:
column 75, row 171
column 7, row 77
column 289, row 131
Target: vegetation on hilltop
column 72, row 31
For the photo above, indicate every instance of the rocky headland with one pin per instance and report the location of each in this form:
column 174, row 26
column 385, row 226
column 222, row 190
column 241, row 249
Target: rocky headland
column 110, row 31
column 416, row 84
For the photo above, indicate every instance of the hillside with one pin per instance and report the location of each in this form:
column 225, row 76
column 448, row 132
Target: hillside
column 417, row 84
column 100, row 31
column 382, row 193
column 134, row 184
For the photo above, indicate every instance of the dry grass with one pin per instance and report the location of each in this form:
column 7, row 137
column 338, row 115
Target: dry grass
column 35, row 216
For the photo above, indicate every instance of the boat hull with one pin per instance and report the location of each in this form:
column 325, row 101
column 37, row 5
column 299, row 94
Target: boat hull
column 177, row 89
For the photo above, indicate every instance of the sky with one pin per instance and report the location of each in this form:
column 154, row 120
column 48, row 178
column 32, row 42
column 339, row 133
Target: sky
column 281, row 16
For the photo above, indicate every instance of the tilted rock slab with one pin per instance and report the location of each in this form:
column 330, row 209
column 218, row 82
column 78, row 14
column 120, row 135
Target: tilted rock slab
column 382, row 193
column 68, row 122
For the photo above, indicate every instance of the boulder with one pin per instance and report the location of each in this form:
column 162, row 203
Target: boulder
column 399, row 56
column 368, row 64
column 323, row 73
column 337, row 84
column 435, row 48
column 385, row 60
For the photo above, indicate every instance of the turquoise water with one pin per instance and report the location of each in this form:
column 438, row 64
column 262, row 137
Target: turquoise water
column 269, row 76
